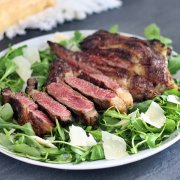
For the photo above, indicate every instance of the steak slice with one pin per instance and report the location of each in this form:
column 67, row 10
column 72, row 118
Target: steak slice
column 54, row 109
column 107, row 83
column 58, row 70
column 74, row 101
column 103, row 97
column 27, row 111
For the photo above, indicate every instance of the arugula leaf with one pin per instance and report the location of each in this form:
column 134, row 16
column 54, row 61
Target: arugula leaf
column 40, row 69
column 114, row 114
column 172, row 92
column 8, row 76
column 61, row 159
column 114, row 29
column 60, row 131
column 95, row 133
column 97, row 153
column 6, row 112
column 26, row 128
column 152, row 31
column 13, row 84
column 14, row 52
column 74, row 42
column 143, row 106
column 151, row 139
column 138, row 125
column 170, row 125
column 78, row 37
column 174, row 63
column 10, row 68
column 25, row 149
column 4, row 140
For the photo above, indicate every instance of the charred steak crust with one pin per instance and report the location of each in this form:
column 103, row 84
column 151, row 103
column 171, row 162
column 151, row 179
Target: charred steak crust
column 80, row 105
column 54, row 109
column 27, row 111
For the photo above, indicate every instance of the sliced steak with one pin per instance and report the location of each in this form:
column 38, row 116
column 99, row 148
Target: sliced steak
column 124, row 59
column 107, row 83
column 74, row 101
column 27, row 111
column 58, row 70
column 103, row 97
column 87, row 72
column 54, row 109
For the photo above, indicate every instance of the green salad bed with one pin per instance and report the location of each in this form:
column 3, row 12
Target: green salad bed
column 146, row 125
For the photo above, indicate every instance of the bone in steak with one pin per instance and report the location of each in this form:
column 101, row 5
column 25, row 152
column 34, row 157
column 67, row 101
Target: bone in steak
column 54, row 109
column 27, row 111
column 75, row 101
column 103, row 97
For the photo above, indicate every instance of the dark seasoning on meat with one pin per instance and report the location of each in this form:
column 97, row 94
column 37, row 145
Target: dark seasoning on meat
column 111, row 70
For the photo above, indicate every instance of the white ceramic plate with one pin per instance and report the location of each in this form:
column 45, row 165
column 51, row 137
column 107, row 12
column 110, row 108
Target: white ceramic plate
column 40, row 42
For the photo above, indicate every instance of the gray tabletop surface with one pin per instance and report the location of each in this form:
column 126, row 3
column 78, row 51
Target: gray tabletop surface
column 132, row 17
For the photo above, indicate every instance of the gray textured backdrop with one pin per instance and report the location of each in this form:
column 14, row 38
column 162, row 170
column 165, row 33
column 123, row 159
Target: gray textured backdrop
column 132, row 18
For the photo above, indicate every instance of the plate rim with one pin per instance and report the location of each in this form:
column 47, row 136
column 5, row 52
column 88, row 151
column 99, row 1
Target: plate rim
column 88, row 165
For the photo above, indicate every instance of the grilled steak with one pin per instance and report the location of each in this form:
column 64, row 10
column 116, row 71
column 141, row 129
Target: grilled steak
column 54, row 109
column 132, row 62
column 74, row 101
column 103, row 97
column 151, row 56
column 107, row 83
column 27, row 111
column 79, row 65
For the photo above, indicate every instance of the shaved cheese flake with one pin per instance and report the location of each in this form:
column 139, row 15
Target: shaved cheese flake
column 173, row 99
column 58, row 37
column 31, row 54
column 23, row 67
column 78, row 137
column 114, row 146
column 44, row 142
column 154, row 115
